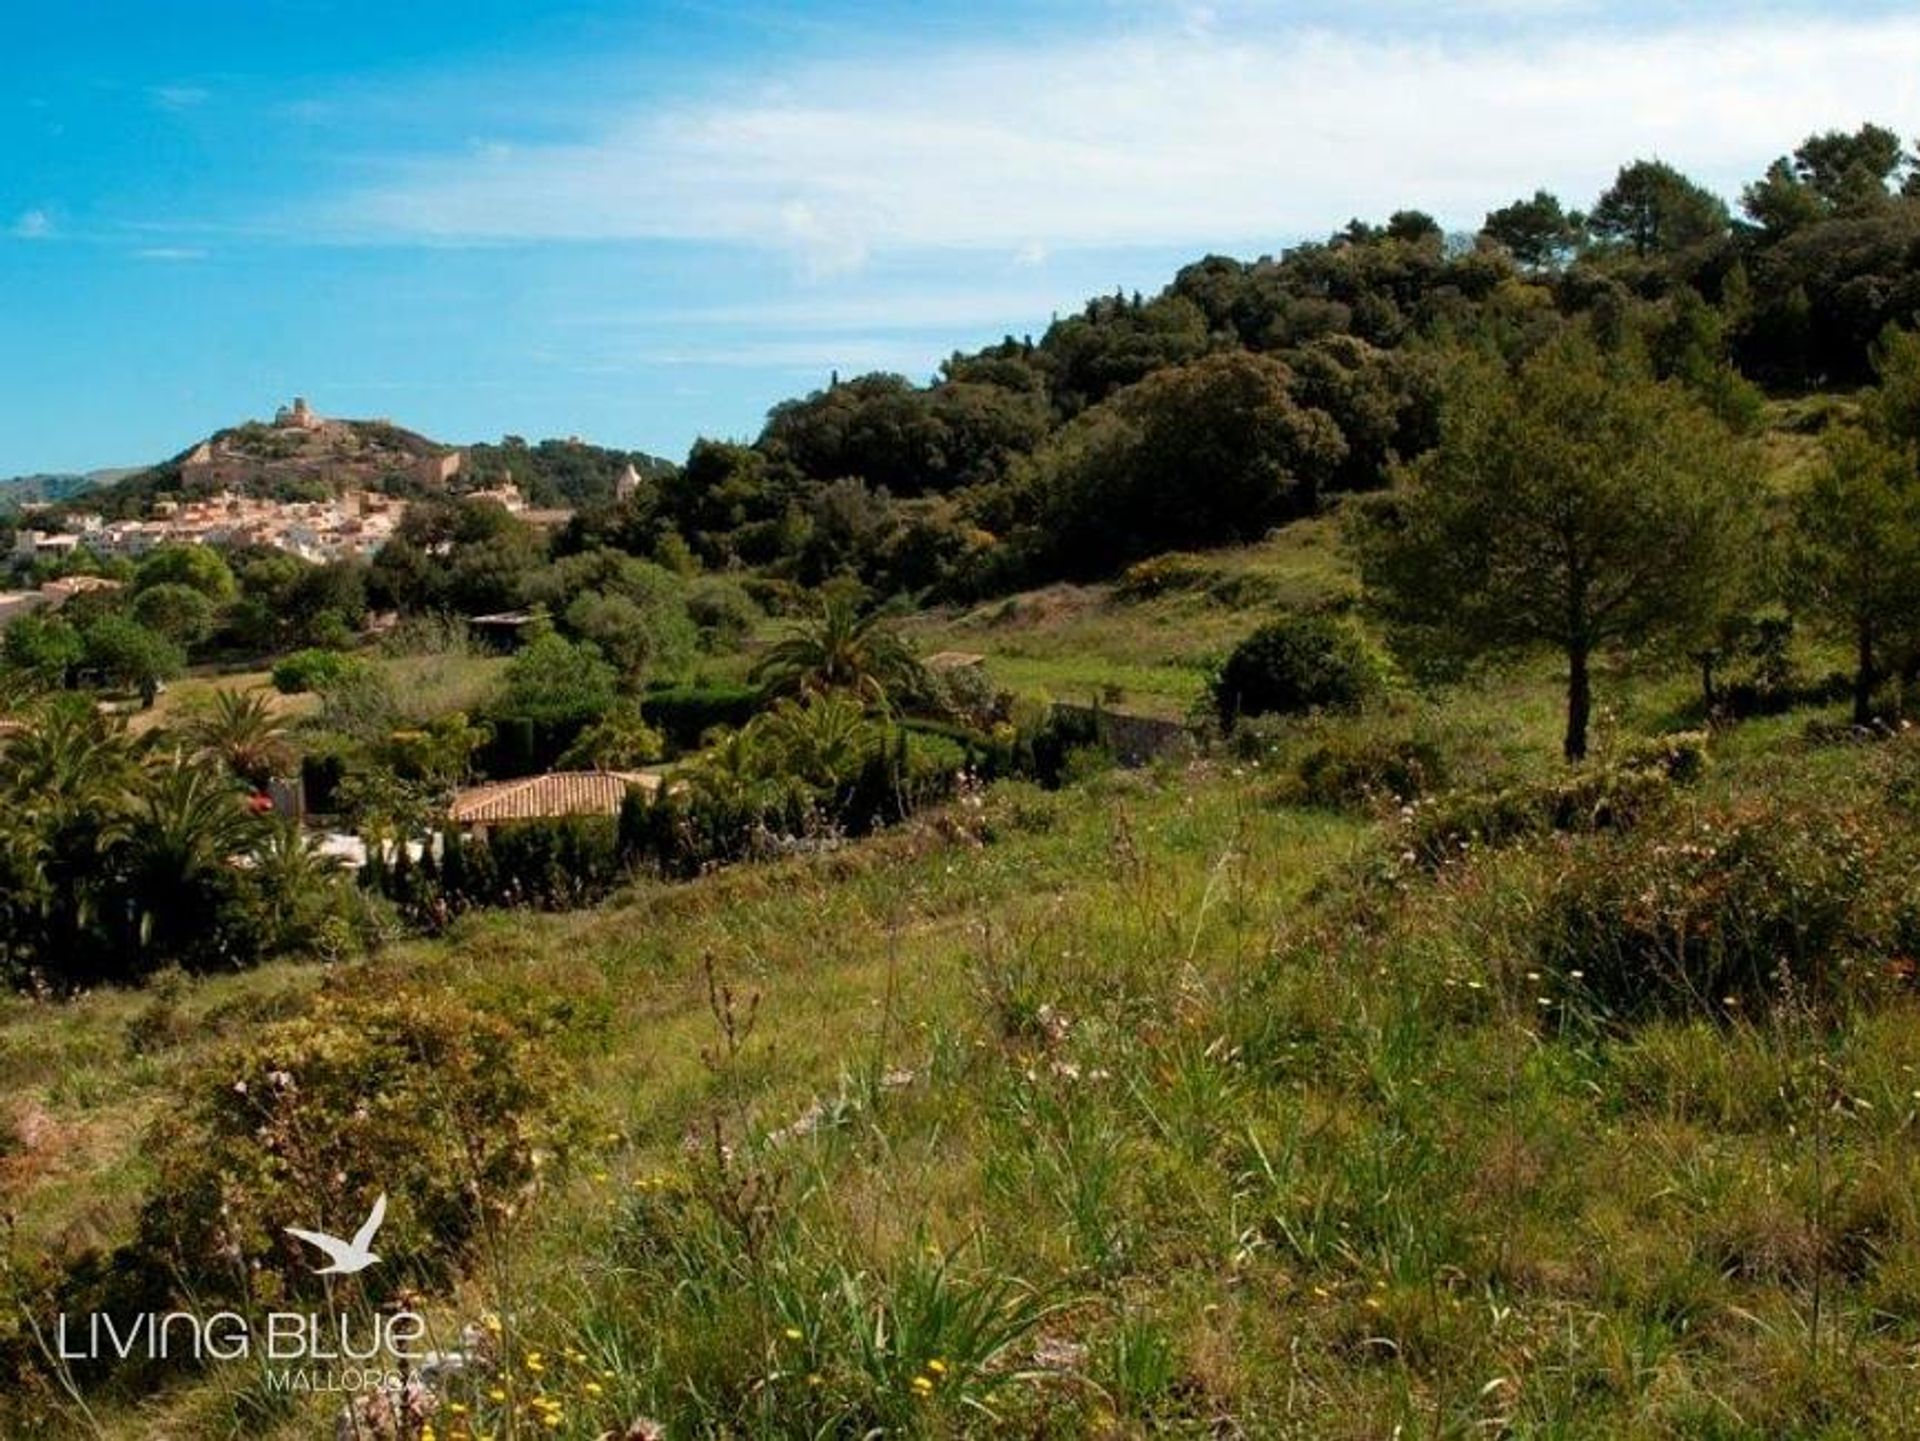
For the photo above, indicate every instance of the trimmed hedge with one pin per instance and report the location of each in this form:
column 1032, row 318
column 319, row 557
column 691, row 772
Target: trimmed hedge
column 683, row 714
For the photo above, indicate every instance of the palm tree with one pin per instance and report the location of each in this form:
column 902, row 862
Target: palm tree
column 300, row 886
column 841, row 650
column 65, row 805
column 178, row 858
column 825, row 740
column 243, row 734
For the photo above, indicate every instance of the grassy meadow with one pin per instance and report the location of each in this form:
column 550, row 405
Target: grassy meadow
column 1169, row 1103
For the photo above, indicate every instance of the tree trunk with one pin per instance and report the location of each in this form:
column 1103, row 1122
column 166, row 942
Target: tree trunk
column 1708, row 699
column 1863, row 674
column 1579, row 702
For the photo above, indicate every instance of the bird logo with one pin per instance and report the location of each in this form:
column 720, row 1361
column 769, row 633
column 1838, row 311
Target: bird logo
column 347, row 1257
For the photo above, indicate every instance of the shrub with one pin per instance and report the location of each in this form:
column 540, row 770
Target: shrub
column 1363, row 770
column 417, row 1095
column 686, row 713
column 722, row 611
column 313, row 670
column 1723, row 910
column 1163, row 574
column 1299, row 663
column 1615, row 796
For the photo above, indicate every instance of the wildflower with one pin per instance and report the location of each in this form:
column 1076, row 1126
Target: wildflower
column 792, row 1333
column 536, row 1362
column 923, row 1385
column 593, row 1388
column 937, row 1366
column 496, row 1394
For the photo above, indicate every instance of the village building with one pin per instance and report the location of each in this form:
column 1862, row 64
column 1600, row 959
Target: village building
column 551, row 796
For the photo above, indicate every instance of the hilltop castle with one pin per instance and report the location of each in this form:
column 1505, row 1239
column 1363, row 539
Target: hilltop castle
column 299, row 417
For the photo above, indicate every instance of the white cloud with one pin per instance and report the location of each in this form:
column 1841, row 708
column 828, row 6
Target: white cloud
column 1191, row 137
column 32, row 225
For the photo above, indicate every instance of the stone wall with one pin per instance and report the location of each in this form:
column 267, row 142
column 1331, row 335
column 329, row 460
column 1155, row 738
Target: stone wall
column 1134, row 739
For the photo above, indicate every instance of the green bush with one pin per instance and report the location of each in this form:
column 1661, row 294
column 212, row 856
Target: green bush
column 1612, row 796
column 1723, row 911
column 312, row 670
column 1162, row 575
column 686, row 713
column 417, row 1095
column 1296, row 664
column 722, row 611
column 1348, row 771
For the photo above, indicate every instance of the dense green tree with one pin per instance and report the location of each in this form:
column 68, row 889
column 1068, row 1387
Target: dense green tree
column 1576, row 504
column 620, row 740
column 179, row 612
column 1850, row 171
column 558, row 682
column 1835, row 173
column 1538, row 233
column 1196, row 455
column 199, row 566
column 128, row 654
column 1858, row 552
column 45, row 646
column 1654, row 209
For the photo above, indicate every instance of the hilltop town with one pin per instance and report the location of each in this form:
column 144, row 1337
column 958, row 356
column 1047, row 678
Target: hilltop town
column 314, row 487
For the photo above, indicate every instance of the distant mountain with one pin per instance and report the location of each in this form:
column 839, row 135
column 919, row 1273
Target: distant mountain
column 301, row 455
column 35, row 489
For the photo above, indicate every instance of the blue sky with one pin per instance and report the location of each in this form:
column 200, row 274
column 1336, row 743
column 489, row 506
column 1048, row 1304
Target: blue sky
column 641, row 222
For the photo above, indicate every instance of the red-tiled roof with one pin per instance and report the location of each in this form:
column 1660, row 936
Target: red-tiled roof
column 558, row 793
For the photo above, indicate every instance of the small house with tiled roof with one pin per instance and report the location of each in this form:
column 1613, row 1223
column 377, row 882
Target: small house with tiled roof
column 477, row 809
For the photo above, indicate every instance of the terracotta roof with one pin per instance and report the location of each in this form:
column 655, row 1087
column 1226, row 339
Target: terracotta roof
column 558, row 793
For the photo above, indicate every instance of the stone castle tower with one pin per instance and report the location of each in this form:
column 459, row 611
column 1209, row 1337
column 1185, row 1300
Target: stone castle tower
column 299, row 417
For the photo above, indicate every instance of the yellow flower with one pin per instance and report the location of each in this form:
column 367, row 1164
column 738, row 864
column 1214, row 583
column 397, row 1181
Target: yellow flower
column 923, row 1384
column 496, row 1394
column 457, row 1408
column 535, row 1362
column 792, row 1333
column 592, row 1388
column 937, row 1366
